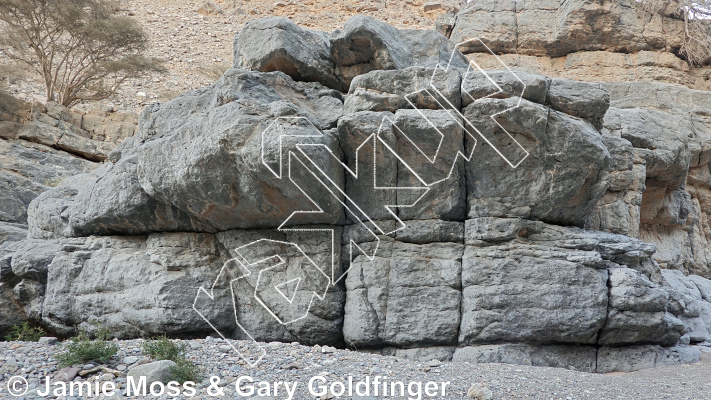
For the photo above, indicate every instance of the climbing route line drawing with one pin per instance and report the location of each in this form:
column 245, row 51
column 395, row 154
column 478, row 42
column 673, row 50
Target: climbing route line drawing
column 304, row 164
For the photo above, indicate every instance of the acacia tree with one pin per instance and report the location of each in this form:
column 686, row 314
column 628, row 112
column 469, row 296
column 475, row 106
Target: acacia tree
column 82, row 49
column 696, row 14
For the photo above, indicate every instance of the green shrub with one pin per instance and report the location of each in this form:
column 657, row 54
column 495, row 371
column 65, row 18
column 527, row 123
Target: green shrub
column 185, row 370
column 164, row 349
column 24, row 333
column 82, row 349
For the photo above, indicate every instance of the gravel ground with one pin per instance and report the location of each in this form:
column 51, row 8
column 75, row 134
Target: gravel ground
column 198, row 48
column 297, row 363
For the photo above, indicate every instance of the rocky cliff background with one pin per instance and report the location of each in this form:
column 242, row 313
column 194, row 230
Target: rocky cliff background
column 592, row 254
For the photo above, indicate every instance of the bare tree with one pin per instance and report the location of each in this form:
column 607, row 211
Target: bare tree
column 82, row 49
column 696, row 14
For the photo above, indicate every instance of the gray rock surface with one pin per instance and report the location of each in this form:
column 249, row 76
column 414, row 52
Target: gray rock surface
column 687, row 301
column 48, row 340
column 366, row 44
column 48, row 215
column 626, row 359
column 618, row 211
column 28, row 169
column 10, row 232
column 556, row 28
column 662, row 198
column 277, row 44
column 115, row 203
column 32, row 257
column 158, row 371
column 438, row 353
column 134, row 196
column 580, row 358
column 638, row 312
column 324, row 320
column 502, row 84
column 39, row 147
column 544, row 299
column 565, row 172
column 385, row 301
column 586, row 100
column 431, row 231
column 391, row 90
column 44, row 145
column 113, row 281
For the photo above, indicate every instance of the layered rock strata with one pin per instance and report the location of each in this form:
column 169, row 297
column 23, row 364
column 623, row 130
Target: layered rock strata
column 608, row 40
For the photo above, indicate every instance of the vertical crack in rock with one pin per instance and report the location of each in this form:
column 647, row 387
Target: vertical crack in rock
column 607, row 315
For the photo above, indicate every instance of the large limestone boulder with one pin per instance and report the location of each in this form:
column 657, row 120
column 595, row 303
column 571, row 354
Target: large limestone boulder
column 366, row 44
column 638, row 312
column 530, row 298
column 514, row 270
column 391, row 90
column 277, row 44
column 687, row 301
column 223, row 182
column 562, row 176
column 304, row 306
column 138, row 286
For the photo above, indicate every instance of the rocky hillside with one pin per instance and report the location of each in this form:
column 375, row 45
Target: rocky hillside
column 370, row 187
column 194, row 38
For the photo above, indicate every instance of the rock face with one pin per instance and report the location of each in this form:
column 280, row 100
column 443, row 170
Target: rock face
column 383, row 295
column 40, row 146
column 545, row 28
column 366, row 44
column 277, row 44
column 660, row 135
column 607, row 40
column 434, row 211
